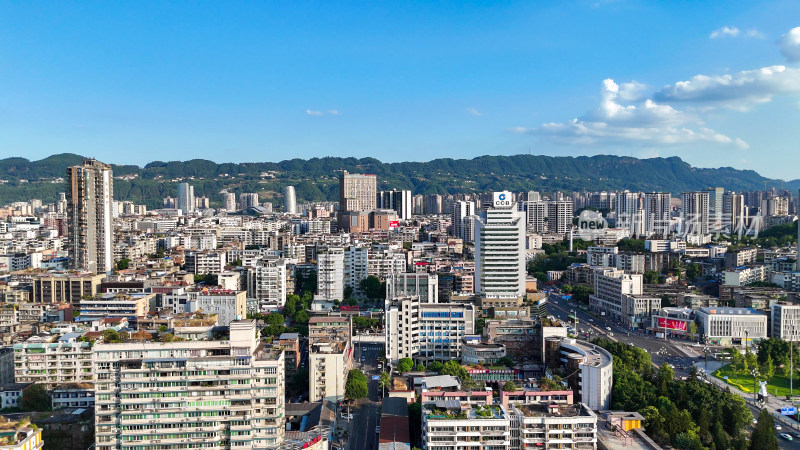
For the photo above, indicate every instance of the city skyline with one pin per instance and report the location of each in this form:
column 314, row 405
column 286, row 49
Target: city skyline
column 714, row 84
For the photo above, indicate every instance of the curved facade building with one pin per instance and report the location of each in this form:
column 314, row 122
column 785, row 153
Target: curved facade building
column 289, row 200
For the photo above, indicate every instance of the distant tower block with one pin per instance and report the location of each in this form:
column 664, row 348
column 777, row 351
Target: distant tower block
column 289, row 200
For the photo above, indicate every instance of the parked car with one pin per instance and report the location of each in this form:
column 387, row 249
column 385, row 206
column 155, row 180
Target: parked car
column 378, row 429
column 778, row 428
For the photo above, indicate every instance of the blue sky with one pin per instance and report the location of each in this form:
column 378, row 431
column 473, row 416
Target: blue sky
column 716, row 83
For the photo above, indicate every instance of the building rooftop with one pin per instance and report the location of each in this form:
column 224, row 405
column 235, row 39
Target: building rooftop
column 554, row 410
column 731, row 311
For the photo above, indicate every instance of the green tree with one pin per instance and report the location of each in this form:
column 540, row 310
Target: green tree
column 692, row 329
column 768, row 368
column 385, row 381
column 548, row 384
column 419, row 367
column 301, row 317
column 123, row 263
column 479, row 324
column 763, row 437
column 455, row 369
column 651, row 277
column 111, row 336
column 356, row 385
column 348, row 291
column 506, row 361
column 371, row 287
column 693, row 271
column 405, row 365
column 509, row 386
column 35, row 398
column 435, row 366
column 275, row 319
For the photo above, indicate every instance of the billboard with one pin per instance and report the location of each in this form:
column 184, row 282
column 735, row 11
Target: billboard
column 502, row 200
column 671, row 324
column 394, row 223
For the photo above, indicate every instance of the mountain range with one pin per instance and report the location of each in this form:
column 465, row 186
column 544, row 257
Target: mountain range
column 315, row 179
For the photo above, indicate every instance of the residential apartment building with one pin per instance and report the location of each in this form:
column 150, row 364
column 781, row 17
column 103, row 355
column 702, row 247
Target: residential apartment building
column 190, row 394
column 451, row 424
column 103, row 306
column 461, row 210
column 202, row 263
column 559, row 216
column 695, row 215
column 266, row 283
column 64, row 287
column 657, row 213
column 90, row 194
column 330, row 274
column 330, row 356
column 590, row 369
column 53, row 361
column 553, row 425
column 609, row 287
column 399, row 201
column 186, row 201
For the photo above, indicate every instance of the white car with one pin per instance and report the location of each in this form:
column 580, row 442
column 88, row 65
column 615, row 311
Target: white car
column 378, row 429
column 778, row 428
column 347, row 416
column 608, row 328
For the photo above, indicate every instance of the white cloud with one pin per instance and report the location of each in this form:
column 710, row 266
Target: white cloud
column 738, row 91
column 311, row 112
column 789, row 44
column 734, row 32
column 724, row 31
column 334, row 112
column 632, row 92
column 642, row 123
column 474, row 112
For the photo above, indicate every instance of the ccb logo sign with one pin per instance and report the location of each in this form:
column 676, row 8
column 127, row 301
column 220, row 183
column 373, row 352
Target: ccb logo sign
column 502, row 200
column 591, row 225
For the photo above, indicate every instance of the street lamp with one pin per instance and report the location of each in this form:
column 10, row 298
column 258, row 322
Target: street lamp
column 791, row 362
column 706, row 351
column 754, row 372
column 746, row 340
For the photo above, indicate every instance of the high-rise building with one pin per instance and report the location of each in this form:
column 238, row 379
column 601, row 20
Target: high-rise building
column 695, row 213
column 657, row 213
column 248, row 200
column 500, row 249
column 90, row 194
column 185, row 394
column 289, row 200
column 461, row 210
column 357, row 192
column 186, row 198
column 536, row 215
column 330, row 273
column 715, row 208
column 559, row 216
column 230, row 201
column 734, row 212
column 426, row 331
column 629, row 212
column 400, row 201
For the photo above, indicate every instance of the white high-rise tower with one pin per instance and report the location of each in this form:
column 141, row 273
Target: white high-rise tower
column 185, row 197
column 500, row 249
column 289, row 200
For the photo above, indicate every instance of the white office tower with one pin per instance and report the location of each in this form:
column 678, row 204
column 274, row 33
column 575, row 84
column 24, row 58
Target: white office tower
column 186, row 198
column 500, row 249
column 533, row 196
column 734, row 212
column 399, row 201
column 694, row 213
column 461, row 209
column 559, row 216
column 330, row 274
column 222, row 394
column 230, row 201
column 90, row 194
column 289, row 200
column 356, row 266
column 657, row 213
column 536, row 215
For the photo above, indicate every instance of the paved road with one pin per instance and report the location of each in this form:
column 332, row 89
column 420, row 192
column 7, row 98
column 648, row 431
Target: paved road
column 365, row 420
column 681, row 354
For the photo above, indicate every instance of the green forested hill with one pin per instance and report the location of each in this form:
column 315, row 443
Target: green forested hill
column 316, row 178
